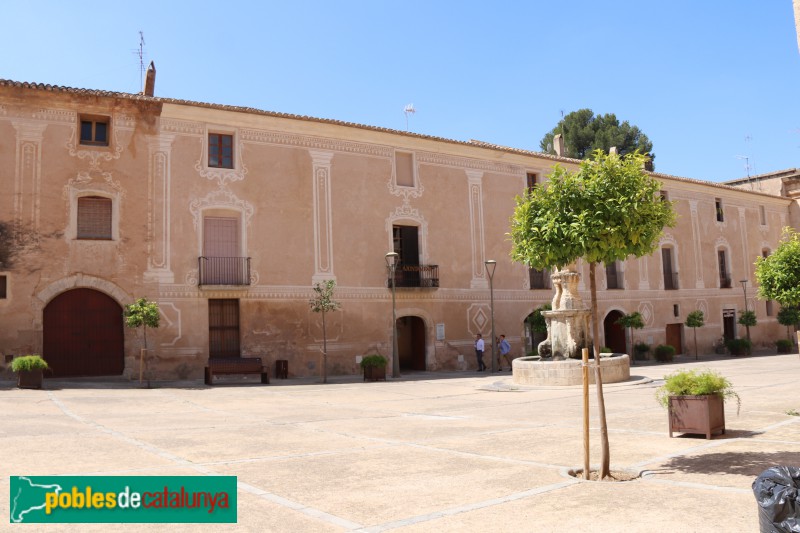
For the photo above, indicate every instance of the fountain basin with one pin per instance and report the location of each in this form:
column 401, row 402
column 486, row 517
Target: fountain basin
column 532, row 371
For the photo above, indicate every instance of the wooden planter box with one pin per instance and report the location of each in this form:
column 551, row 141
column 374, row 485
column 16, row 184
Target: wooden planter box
column 375, row 373
column 697, row 414
column 29, row 379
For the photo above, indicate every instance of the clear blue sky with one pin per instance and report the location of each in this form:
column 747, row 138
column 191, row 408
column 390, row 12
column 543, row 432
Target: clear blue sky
column 706, row 81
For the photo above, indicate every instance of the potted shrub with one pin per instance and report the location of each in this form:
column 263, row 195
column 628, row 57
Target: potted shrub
column 374, row 367
column 640, row 350
column 738, row 346
column 783, row 345
column 695, row 401
column 29, row 369
column 664, row 353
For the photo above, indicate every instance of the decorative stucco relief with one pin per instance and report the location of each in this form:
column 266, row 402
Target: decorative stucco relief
column 222, row 176
column 479, row 319
column 219, row 198
column 698, row 247
column 172, row 321
column 314, row 143
column 646, row 310
column 431, row 158
column 183, row 127
column 323, row 218
column 95, row 156
column 28, row 171
column 475, row 202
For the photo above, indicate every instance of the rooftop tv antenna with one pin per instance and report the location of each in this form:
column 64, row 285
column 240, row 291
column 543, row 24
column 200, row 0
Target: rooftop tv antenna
column 409, row 109
column 140, row 54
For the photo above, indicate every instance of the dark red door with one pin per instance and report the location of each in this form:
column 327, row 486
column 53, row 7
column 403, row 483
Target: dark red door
column 83, row 334
column 614, row 333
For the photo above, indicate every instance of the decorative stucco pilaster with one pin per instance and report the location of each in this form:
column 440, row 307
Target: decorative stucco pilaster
column 158, row 212
column 474, row 178
column 746, row 259
column 28, row 172
column 698, row 247
column 323, row 224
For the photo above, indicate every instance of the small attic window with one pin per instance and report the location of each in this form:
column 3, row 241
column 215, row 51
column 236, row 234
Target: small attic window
column 94, row 131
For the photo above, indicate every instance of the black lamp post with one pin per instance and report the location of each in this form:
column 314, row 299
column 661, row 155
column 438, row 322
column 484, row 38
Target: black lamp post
column 490, row 265
column 391, row 263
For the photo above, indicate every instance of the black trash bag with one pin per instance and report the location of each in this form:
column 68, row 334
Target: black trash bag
column 777, row 491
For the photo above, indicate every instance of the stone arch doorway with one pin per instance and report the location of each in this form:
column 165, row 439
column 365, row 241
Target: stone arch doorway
column 614, row 333
column 83, row 334
column 411, row 343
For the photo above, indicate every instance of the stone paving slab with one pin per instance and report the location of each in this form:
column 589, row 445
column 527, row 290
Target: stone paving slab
column 427, row 452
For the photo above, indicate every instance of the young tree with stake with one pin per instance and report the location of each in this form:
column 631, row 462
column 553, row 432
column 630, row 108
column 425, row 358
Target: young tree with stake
column 323, row 302
column 608, row 210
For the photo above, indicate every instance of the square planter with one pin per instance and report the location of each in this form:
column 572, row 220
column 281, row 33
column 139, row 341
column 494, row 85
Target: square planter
column 697, row 414
column 375, row 373
column 29, row 379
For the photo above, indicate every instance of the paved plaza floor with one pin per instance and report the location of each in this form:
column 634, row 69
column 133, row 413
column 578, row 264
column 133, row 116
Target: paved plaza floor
column 436, row 452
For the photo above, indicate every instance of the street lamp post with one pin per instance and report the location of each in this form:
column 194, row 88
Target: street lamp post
column 490, row 265
column 391, row 263
column 744, row 289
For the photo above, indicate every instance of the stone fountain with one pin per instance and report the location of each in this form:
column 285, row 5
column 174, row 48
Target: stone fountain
column 559, row 359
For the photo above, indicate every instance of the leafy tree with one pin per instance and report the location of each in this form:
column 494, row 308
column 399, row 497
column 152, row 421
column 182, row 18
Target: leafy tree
column 631, row 322
column 789, row 317
column 747, row 319
column 142, row 313
column 779, row 274
column 606, row 211
column 695, row 320
column 537, row 322
column 323, row 302
column 584, row 133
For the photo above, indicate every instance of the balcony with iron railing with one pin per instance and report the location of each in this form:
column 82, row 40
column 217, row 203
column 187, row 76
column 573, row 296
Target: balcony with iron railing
column 223, row 270
column 725, row 282
column 415, row 276
column 671, row 281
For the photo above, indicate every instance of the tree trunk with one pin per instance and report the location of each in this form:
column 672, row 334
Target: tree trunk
column 601, row 404
column 695, row 343
column 324, row 351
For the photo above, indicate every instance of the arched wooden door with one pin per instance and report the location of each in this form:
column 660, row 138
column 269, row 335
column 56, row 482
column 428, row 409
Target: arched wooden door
column 83, row 334
column 411, row 343
column 614, row 333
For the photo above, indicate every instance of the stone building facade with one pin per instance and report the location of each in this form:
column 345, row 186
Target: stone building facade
column 226, row 216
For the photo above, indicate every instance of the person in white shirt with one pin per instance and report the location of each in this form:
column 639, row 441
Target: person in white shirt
column 479, row 352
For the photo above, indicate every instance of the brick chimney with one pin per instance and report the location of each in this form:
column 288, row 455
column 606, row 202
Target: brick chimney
column 558, row 145
column 150, row 80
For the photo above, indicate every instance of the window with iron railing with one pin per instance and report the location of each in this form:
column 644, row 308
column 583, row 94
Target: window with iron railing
column 415, row 276
column 224, row 270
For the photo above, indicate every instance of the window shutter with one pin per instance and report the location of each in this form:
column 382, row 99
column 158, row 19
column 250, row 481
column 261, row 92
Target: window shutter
column 94, row 217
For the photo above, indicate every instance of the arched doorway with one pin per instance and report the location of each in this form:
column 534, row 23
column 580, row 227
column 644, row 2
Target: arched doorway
column 614, row 333
column 83, row 334
column 411, row 343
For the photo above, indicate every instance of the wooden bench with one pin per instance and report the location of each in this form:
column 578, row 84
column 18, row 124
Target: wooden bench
column 235, row 365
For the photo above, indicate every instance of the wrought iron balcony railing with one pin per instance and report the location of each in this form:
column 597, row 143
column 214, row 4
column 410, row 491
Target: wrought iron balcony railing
column 725, row 282
column 423, row 276
column 224, row 270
